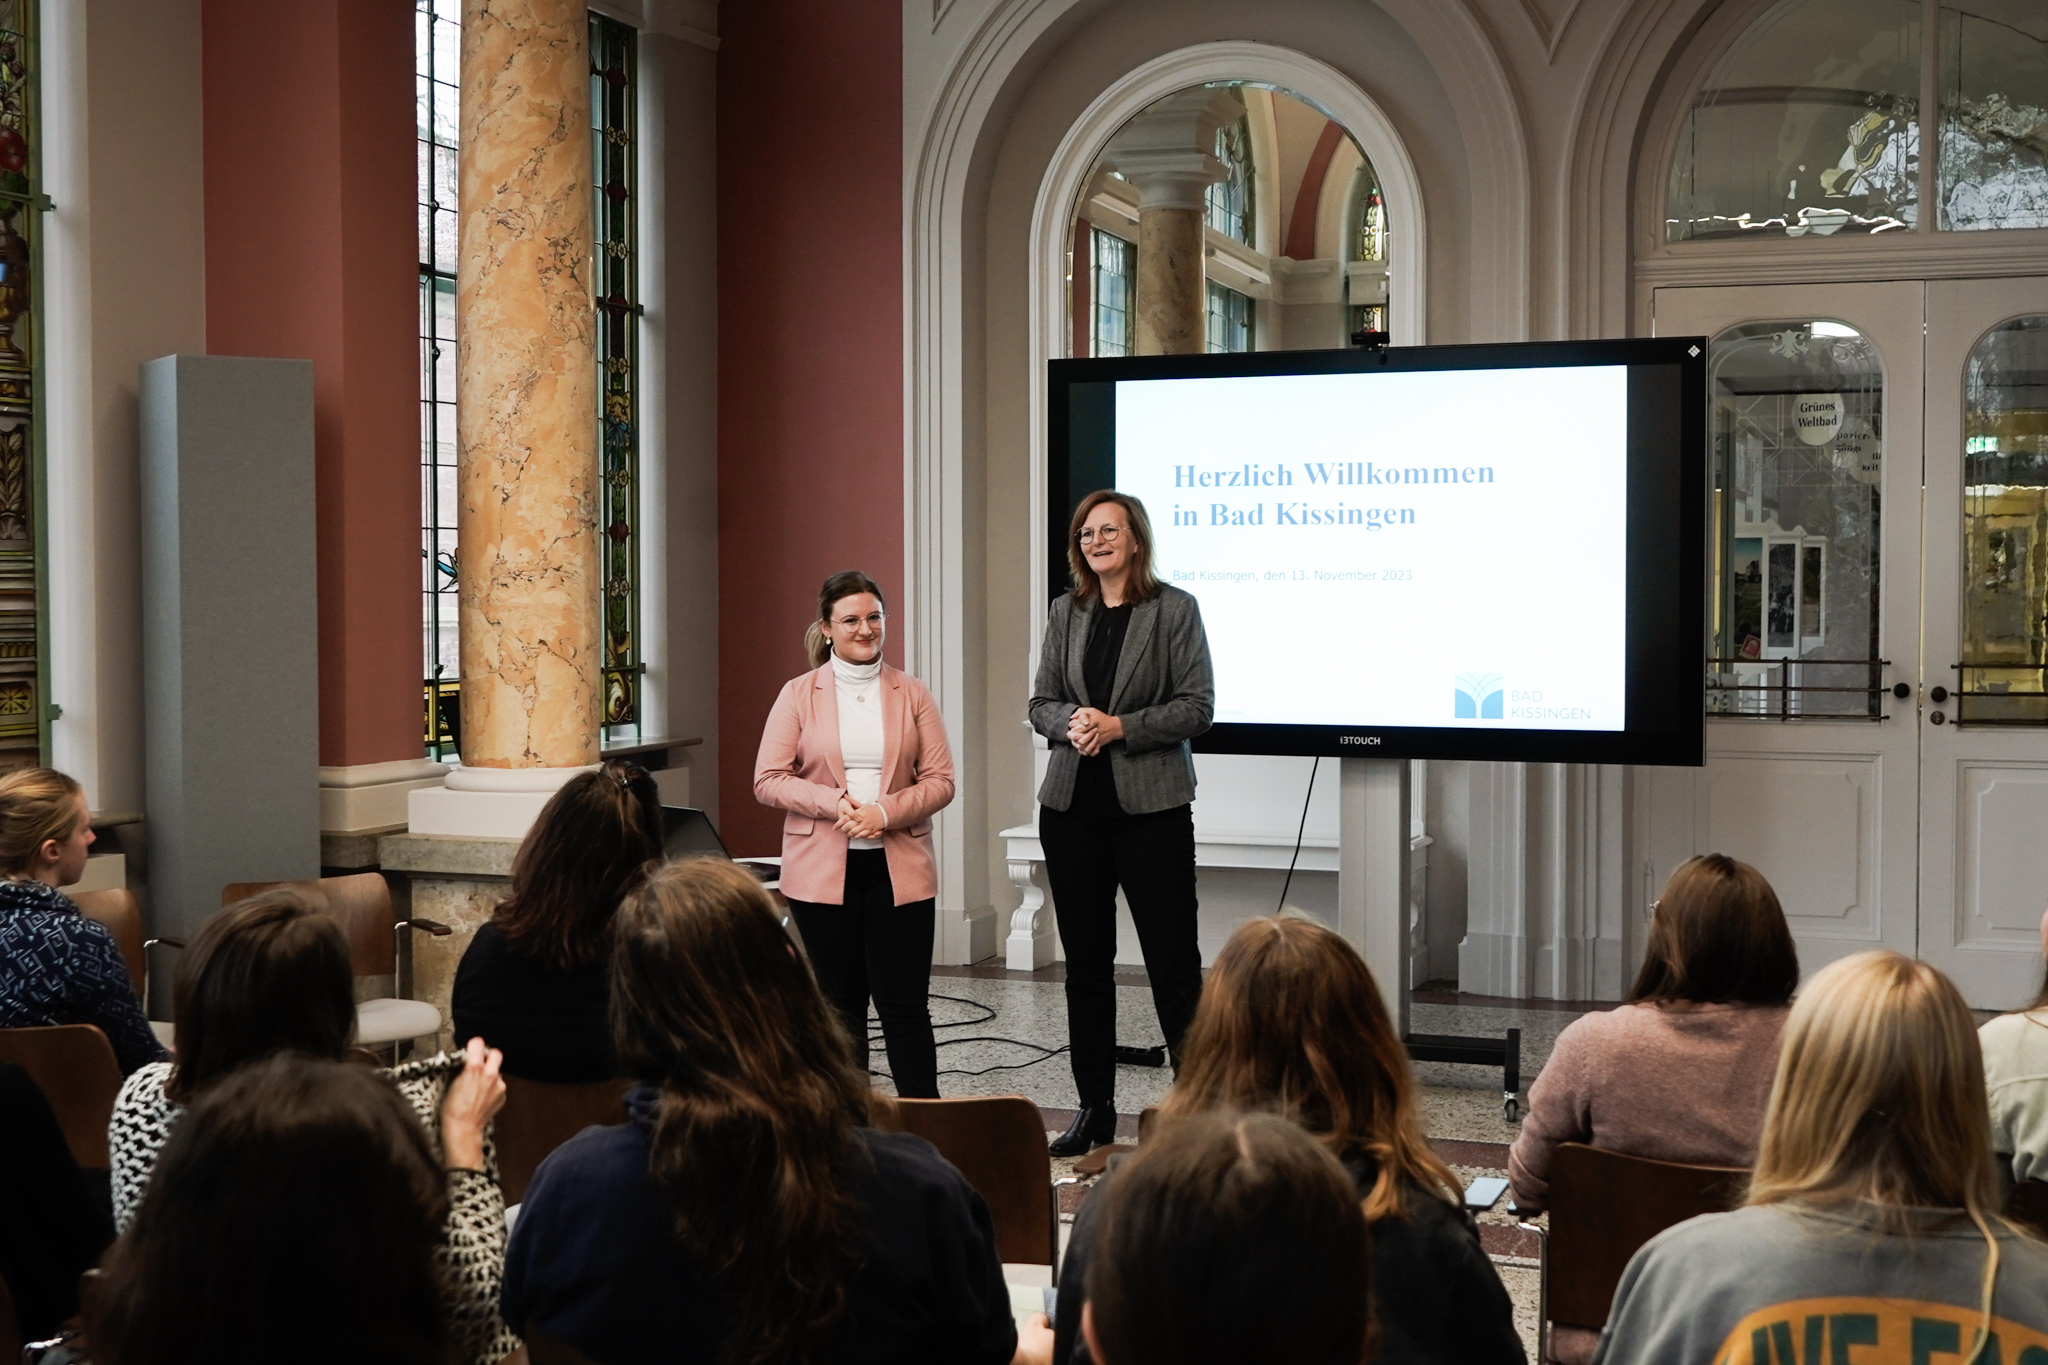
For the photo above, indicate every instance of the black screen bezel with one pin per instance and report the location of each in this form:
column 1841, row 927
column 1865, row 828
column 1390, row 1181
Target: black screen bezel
column 1666, row 565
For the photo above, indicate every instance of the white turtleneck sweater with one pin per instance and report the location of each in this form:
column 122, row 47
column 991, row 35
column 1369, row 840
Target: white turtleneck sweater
column 859, row 688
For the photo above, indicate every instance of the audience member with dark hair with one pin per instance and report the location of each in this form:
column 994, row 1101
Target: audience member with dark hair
column 1292, row 1023
column 53, row 1221
column 1870, row 1231
column 270, row 975
column 534, row 980
column 745, row 1212
column 1231, row 1239
column 2016, row 1074
column 293, row 1217
column 57, row 966
column 1682, row 1071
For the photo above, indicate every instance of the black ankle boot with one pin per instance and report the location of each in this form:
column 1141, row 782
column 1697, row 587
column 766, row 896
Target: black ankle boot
column 1093, row 1126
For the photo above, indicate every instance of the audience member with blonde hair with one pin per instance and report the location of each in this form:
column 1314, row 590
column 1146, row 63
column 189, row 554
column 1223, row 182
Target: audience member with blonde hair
column 2016, row 1072
column 1870, row 1231
column 57, row 966
column 1231, row 1238
column 1292, row 1023
column 745, row 1211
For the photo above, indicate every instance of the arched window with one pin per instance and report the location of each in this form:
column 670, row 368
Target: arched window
column 1812, row 121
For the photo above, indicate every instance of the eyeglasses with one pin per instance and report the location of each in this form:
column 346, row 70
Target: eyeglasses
column 856, row 622
column 1088, row 535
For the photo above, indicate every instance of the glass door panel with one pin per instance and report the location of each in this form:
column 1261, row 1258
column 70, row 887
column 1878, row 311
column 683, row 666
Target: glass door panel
column 1799, row 427
column 2005, row 527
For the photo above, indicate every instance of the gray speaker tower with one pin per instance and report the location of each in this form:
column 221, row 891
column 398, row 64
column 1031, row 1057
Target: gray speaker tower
column 231, row 677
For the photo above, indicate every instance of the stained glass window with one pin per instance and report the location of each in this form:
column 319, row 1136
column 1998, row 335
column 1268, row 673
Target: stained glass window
column 1994, row 115
column 1230, row 199
column 613, row 87
column 1367, row 289
column 24, row 720
column 437, row 41
column 1116, row 269
column 1810, row 124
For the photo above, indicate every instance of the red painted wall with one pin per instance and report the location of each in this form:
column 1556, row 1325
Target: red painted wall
column 810, row 354
column 311, row 253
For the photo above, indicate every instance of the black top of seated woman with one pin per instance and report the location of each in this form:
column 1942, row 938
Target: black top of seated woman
column 551, row 1024
column 1436, row 1298
column 595, row 1262
column 1095, row 785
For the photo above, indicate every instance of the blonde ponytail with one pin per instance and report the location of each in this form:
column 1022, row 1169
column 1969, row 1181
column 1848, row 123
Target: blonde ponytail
column 816, row 647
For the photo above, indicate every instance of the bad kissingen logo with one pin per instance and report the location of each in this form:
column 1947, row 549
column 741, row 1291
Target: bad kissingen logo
column 1479, row 696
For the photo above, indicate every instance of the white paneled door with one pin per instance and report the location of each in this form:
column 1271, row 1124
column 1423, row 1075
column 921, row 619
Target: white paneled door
column 1877, row 738
column 1812, row 770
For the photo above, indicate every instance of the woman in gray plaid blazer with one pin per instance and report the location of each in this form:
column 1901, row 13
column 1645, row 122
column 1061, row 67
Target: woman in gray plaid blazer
column 1123, row 683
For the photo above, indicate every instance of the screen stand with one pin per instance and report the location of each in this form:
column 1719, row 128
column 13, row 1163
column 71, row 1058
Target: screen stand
column 1373, row 912
column 1372, row 873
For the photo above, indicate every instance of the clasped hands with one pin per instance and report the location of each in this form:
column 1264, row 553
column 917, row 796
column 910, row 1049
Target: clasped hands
column 860, row 822
column 1089, row 729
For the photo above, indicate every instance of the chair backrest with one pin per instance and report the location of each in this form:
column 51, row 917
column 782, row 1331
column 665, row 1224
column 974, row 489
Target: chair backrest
column 1604, row 1206
column 116, row 908
column 540, row 1116
column 998, row 1143
column 361, row 901
column 74, row 1066
column 2027, row 1205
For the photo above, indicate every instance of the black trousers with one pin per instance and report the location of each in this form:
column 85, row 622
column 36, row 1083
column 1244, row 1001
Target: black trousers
column 1088, row 854
column 871, row 946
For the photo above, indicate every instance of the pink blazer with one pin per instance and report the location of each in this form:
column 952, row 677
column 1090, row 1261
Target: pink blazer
column 800, row 773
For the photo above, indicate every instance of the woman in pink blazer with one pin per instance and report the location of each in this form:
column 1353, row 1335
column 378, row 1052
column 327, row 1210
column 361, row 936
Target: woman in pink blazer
column 855, row 757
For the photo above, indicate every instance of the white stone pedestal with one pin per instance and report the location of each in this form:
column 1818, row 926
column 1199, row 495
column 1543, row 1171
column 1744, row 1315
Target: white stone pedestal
column 485, row 803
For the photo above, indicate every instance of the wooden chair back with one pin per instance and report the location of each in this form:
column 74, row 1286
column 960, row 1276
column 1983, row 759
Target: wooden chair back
column 540, row 1116
column 998, row 1143
column 2027, row 1205
column 74, row 1066
column 361, row 902
column 1604, row 1206
column 116, row 908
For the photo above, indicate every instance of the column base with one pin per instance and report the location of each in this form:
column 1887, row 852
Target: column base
column 366, row 798
column 485, row 803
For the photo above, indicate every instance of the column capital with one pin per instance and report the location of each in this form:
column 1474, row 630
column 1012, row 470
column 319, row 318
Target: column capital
column 1168, row 149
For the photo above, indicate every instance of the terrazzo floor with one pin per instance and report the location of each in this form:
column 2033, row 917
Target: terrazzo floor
column 1004, row 1033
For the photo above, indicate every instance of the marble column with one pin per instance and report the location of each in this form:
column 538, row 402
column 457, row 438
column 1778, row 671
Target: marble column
column 526, row 391
column 1168, row 152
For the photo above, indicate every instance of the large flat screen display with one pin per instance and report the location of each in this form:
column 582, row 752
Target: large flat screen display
column 1456, row 551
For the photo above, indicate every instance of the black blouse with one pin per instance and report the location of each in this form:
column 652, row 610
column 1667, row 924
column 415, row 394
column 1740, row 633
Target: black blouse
column 1095, row 785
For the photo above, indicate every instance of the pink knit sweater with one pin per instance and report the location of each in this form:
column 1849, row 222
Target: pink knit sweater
column 1678, row 1082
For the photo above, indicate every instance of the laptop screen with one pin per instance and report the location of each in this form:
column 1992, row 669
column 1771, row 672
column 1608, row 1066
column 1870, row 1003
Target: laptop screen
column 688, row 833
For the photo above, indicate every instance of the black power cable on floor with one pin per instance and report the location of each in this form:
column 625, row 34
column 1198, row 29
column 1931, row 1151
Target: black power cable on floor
column 989, row 1012
column 1299, row 830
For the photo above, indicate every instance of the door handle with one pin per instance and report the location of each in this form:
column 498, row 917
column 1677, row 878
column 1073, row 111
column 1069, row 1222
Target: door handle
column 1938, row 694
column 1902, row 690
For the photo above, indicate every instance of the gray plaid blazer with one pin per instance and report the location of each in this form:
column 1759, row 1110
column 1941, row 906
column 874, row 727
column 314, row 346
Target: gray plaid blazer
column 1165, row 694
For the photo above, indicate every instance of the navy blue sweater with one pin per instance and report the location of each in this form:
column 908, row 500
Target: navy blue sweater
column 58, row 967
column 594, row 1259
